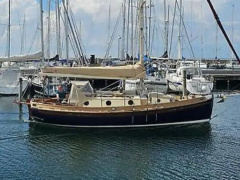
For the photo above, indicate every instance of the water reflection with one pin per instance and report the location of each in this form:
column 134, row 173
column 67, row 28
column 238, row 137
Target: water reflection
column 171, row 132
column 21, row 113
column 113, row 152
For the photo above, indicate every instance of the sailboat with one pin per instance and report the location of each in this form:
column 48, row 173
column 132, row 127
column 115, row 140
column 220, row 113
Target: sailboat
column 195, row 82
column 83, row 107
column 9, row 82
column 11, row 69
column 233, row 65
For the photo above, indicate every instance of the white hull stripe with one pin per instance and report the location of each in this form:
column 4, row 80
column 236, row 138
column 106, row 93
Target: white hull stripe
column 128, row 126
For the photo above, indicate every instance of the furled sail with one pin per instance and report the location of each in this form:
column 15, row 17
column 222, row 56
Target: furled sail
column 24, row 57
column 107, row 72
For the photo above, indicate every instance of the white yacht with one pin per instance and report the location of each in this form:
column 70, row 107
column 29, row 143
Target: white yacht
column 9, row 82
column 16, row 67
column 154, row 81
column 193, row 63
column 233, row 65
column 195, row 82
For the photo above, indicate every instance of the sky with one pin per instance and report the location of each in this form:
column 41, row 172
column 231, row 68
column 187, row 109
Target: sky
column 92, row 21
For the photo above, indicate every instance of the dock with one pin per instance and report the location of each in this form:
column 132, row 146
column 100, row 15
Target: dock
column 224, row 79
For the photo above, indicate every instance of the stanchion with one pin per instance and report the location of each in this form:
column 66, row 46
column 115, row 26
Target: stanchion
column 184, row 83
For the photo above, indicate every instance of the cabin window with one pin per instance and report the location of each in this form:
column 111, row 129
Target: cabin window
column 158, row 100
column 108, row 103
column 130, row 102
column 86, row 103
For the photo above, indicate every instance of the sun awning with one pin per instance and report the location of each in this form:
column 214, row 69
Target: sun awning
column 106, row 72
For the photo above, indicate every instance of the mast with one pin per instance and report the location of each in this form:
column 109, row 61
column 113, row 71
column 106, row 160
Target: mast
column 23, row 36
column 232, row 29
column 123, row 32
column 173, row 22
column 201, row 36
column 75, row 37
column 149, row 27
column 179, row 33
column 41, row 21
column 191, row 21
column 136, row 32
column 146, row 30
column 166, row 25
column 49, row 26
column 141, row 33
column 132, row 29
column 9, row 28
column 128, row 22
column 182, row 28
column 109, row 30
column 66, row 29
column 222, row 29
column 58, row 28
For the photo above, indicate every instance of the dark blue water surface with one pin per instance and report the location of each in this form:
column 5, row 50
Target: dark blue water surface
column 208, row 151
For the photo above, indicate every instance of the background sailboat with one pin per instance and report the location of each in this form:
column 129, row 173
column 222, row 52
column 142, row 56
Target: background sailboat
column 11, row 70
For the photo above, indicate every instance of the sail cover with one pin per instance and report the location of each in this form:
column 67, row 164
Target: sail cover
column 24, row 57
column 106, row 72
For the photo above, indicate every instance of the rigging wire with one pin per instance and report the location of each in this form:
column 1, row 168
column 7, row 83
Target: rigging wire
column 183, row 24
column 83, row 52
column 71, row 28
column 113, row 35
column 171, row 40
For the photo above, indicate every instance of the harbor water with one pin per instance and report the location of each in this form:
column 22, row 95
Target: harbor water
column 207, row 151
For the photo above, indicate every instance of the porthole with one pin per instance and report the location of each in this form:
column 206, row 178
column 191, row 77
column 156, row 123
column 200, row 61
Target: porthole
column 158, row 100
column 108, row 103
column 130, row 102
column 86, row 103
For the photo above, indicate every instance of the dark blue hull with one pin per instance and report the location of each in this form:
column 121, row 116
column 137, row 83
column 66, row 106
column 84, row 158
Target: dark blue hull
column 199, row 112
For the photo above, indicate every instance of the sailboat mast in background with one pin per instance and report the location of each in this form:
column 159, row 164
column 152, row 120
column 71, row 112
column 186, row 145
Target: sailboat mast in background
column 179, row 32
column 9, row 29
column 58, row 28
column 232, row 31
column 41, row 21
column 65, row 2
column 49, row 29
column 166, row 28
